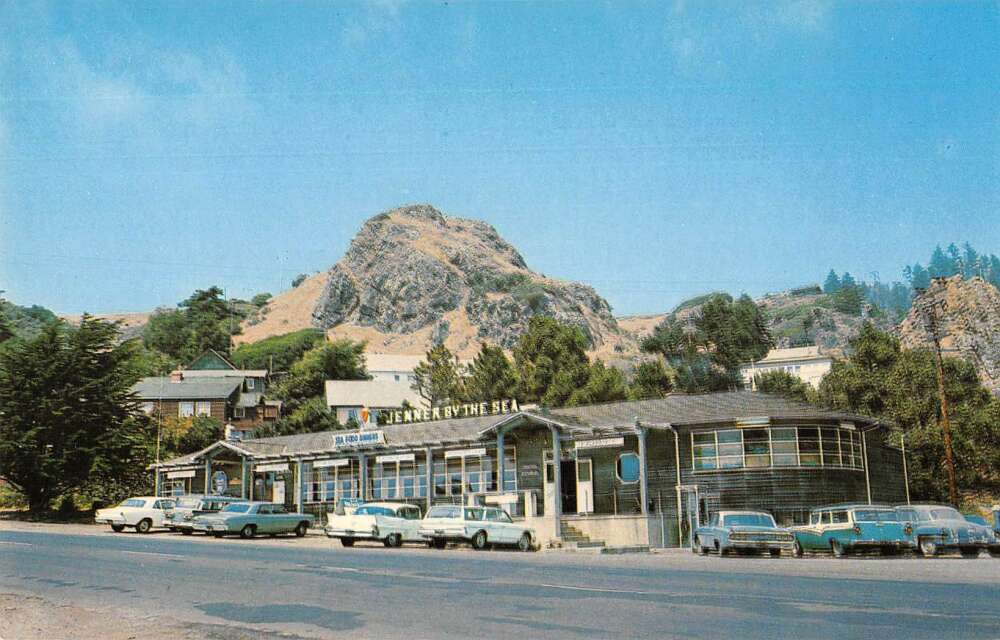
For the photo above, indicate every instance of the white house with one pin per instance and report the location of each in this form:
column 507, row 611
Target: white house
column 805, row 363
column 363, row 399
column 390, row 367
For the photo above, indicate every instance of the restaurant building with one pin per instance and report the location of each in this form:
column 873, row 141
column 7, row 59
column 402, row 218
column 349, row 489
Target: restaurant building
column 639, row 473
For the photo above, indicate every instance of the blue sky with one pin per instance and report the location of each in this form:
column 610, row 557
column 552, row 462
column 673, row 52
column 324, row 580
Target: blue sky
column 653, row 150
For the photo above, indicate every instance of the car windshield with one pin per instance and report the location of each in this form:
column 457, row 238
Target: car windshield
column 236, row 508
column 445, row 512
column 945, row 513
column 188, row 503
column 133, row 502
column 874, row 515
column 748, row 520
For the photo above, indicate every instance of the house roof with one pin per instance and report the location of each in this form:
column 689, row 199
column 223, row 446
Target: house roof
column 209, row 360
column 695, row 409
column 163, row 388
column 371, row 393
column 224, row 373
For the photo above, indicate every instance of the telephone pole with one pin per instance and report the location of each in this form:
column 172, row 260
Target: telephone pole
column 930, row 316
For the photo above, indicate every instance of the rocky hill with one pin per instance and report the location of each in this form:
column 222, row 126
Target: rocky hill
column 413, row 277
column 968, row 320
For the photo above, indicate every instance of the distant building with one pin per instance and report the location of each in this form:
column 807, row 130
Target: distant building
column 363, row 399
column 805, row 363
column 387, row 367
column 211, row 386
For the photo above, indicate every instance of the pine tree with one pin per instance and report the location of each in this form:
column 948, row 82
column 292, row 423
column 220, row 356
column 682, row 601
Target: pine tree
column 491, row 376
column 832, row 284
column 438, row 379
column 847, row 280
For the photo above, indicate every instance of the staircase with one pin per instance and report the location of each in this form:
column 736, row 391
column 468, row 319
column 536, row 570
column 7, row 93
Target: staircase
column 573, row 538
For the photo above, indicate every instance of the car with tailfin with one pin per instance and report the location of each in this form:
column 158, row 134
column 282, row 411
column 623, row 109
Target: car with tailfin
column 844, row 529
column 391, row 523
column 142, row 512
column 940, row 528
column 742, row 531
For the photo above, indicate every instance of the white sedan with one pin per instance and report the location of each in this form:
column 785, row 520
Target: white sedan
column 143, row 513
column 478, row 526
column 390, row 523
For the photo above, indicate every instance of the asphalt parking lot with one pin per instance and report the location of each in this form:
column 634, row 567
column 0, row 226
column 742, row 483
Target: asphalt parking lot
column 82, row 581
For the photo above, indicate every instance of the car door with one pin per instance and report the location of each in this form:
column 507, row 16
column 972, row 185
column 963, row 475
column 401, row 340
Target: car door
column 409, row 523
column 810, row 536
column 494, row 530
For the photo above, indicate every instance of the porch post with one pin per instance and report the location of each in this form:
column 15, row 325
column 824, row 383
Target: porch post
column 640, row 433
column 298, row 486
column 244, row 480
column 363, row 476
column 557, row 481
column 208, row 476
column 500, row 460
column 156, row 483
column 429, row 476
column 864, row 452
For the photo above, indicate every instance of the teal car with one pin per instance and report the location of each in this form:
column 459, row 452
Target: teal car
column 249, row 519
column 940, row 528
column 848, row 528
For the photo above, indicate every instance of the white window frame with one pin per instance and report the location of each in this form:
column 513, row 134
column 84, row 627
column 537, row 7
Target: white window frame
column 849, row 461
column 485, row 477
column 182, row 405
column 200, row 409
column 250, row 384
column 148, row 407
column 239, row 412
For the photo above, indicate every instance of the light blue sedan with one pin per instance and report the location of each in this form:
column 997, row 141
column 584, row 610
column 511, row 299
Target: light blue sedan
column 729, row 531
column 251, row 518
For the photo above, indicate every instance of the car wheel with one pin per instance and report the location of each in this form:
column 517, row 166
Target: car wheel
column 970, row 552
column 117, row 528
column 218, row 534
column 994, row 553
column 775, row 553
column 144, row 525
column 439, row 544
column 347, row 542
column 928, row 547
column 479, row 541
column 186, row 532
column 797, row 549
column 300, row 530
column 248, row 531
column 524, row 542
column 393, row 540
column 838, row 548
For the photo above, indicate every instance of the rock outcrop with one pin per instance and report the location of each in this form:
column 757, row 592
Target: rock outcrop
column 967, row 314
column 413, row 277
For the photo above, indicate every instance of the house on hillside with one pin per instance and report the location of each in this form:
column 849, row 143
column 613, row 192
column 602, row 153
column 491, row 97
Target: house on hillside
column 362, row 400
column 388, row 367
column 806, row 363
column 214, row 387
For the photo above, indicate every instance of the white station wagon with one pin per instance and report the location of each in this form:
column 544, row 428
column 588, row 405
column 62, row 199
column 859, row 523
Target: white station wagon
column 479, row 526
column 390, row 523
column 143, row 513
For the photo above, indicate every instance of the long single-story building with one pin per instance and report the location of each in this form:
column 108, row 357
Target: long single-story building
column 626, row 473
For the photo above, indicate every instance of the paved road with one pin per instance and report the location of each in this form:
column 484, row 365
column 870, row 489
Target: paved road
column 313, row 589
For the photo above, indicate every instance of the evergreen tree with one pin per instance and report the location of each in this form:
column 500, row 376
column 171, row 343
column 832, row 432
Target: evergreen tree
column 920, row 278
column 733, row 332
column 551, row 361
column 66, row 411
column 650, row 379
column 604, row 384
column 847, row 280
column 832, row 284
column 438, row 379
column 785, row 384
column 491, row 376
column 338, row 360
column 970, row 261
column 848, row 300
column 941, row 266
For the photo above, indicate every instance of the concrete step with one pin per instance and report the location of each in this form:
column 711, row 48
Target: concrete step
column 638, row 548
column 595, row 547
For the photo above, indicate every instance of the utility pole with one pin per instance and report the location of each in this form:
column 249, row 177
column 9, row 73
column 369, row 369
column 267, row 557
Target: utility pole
column 930, row 315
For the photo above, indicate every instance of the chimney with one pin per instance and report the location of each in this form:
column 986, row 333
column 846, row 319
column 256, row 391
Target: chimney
column 176, row 376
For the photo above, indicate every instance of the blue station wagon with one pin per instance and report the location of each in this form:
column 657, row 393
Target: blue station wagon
column 844, row 529
column 729, row 531
column 938, row 528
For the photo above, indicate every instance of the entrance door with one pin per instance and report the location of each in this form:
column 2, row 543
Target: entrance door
column 549, row 495
column 567, row 472
column 278, row 491
column 690, row 512
column 584, row 485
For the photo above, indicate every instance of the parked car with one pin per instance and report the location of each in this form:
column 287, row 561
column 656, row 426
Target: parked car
column 251, row 518
column 478, row 526
column 181, row 516
column 938, row 528
column 143, row 513
column 742, row 531
column 388, row 522
column 843, row 529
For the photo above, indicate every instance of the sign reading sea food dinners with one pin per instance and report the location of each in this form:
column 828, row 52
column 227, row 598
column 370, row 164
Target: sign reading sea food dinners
column 469, row 410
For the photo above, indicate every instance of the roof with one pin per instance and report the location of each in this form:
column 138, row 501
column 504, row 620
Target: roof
column 391, row 362
column 371, row 393
column 793, row 354
column 210, row 359
column 163, row 388
column 224, row 373
column 695, row 409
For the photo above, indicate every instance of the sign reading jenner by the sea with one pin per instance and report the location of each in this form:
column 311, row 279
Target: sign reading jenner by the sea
column 492, row 408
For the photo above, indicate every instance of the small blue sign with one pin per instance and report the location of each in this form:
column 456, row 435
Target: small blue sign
column 220, row 482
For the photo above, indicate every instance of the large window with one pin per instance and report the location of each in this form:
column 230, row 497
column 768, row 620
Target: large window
column 770, row 447
column 462, row 474
column 628, row 468
column 329, row 483
column 399, row 477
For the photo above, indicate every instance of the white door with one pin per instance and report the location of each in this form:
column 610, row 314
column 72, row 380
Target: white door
column 584, row 486
column 550, row 488
column 278, row 493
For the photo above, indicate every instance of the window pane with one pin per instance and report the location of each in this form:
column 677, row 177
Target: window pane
column 730, row 462
column 628, row 467
column 704, row 463
column 786, row 460
column 733, row 435
column 705, row 438
column 785, row 433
